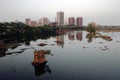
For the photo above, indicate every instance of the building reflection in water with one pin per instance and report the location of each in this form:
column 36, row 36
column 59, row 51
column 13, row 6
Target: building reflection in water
column 75, row 36
column 79, row 36
column 71, row 36
column 61, row 31
column 40, row 63
column 60, row 40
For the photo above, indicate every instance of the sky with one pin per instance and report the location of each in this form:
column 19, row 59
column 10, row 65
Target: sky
column 103, row 12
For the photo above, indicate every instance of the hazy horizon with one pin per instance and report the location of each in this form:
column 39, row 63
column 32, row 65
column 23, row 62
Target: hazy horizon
column 104, row 12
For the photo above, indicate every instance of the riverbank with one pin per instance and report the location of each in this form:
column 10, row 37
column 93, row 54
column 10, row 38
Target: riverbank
column 108, row 30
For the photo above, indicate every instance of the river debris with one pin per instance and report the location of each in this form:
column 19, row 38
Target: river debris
column 52, row 44
column 39, row 56
column 83, row 47
column 104, row 48
column 90, row 36
column 58, row 42
column 117, row 41
column 42, row 44
column 101, row 42
column 13, row 45
column 9, row 53
column 24, row 48
column 107, row 38
column 40, row 61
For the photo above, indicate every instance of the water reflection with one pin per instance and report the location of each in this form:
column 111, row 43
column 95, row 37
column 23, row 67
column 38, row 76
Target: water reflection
column 88, row 62
column 2, row 52
column 79, row 36
column 90, row 37
column 40, row 62
column 3, row 49
column 61, row 31
column 60, row 40
column 71, row 36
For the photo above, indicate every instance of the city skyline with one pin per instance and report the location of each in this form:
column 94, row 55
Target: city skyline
column 104, row 12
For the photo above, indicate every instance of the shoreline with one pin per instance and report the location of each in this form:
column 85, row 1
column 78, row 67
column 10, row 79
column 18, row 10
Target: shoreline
column 108, row 30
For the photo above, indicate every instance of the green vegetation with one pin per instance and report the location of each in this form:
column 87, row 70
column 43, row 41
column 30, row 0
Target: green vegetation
column 93, row 34
column 24, row 33
column 91, row 28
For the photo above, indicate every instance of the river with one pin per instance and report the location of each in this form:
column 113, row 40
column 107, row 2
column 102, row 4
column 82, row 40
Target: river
column 71, row 57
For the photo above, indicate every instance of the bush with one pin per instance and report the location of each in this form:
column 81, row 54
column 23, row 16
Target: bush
column 91, row 28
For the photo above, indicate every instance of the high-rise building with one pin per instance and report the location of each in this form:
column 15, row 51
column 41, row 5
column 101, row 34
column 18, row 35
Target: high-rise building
column 71, row 21
column 79, row 21
column 27, row 21
column 60, row 18
column 43, row 21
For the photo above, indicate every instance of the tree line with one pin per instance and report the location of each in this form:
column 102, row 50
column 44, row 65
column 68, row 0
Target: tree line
column 21, row 31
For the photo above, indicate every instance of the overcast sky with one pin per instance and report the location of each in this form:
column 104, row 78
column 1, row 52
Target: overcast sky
column 104, row 12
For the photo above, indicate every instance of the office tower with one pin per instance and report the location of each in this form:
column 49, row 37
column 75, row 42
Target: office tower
column 71, row 21
column 60, row 18
column 79, row 21
column 27, row 21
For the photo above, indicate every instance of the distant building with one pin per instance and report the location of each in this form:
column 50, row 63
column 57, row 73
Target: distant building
column 60, row 18
column 66, row 22
column 40, row 22
column 33, row 23
column 53, row 24
column 79, row 21
column 71, row 21
column 27, row 21
column 43, row 21
column 16, row 21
